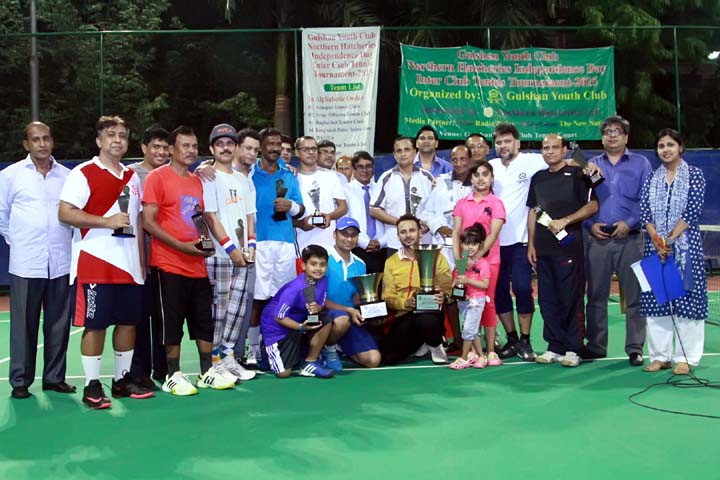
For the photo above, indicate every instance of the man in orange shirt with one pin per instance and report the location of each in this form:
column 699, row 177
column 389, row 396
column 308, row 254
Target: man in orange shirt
column 172, row 201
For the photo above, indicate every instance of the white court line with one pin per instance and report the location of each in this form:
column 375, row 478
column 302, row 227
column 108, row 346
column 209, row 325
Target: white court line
column 397, row 367
column 40, row 345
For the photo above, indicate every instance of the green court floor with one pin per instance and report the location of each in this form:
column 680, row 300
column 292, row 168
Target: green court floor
column 416, row 421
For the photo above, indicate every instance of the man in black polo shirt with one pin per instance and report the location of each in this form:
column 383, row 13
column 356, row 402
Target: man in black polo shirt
column 559, row 202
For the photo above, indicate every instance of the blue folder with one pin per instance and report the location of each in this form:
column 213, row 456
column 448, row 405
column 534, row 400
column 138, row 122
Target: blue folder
column 664, row 278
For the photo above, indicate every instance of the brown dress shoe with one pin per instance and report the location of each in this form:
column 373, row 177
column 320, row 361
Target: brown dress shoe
column 656, row 365
column 681, row 368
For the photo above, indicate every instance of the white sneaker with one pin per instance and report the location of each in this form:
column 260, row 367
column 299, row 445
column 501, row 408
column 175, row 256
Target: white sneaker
column 252, row 356
column 237, row 370
column 437, row 354
column 179, row 384
column 571, row 359
column 216, row 377
column 548, row 357
column 422, row 351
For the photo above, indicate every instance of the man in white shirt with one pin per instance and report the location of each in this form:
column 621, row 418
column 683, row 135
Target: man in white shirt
column 401, row 190
column 513, row 171
column 39, row 267
column 322, row 195
column 371, row 247
column 230, row 215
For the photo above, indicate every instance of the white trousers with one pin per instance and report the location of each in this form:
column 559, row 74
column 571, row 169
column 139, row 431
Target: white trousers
column 689, row 333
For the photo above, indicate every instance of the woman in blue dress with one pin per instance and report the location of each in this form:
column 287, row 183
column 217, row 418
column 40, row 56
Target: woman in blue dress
column 672, row 201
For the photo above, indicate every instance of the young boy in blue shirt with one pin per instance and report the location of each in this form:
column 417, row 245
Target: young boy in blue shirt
column 284, row 320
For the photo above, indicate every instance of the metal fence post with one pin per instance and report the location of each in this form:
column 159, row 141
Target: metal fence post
column 101, row 74
column 677, row 79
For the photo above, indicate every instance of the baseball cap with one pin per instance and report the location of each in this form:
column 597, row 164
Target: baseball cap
column 347, row 222
column 223, row 130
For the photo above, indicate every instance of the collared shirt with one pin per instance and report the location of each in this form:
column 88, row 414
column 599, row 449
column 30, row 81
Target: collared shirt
column 401, row 279
column 482, row 211
column 266, row 228
column 356, row 209
column 437, row 211
column 619, row 194
column 339, row 273
column 398, row 198
column 98, row 256
column 438, row 167
column 511, row 185
column 40, row 245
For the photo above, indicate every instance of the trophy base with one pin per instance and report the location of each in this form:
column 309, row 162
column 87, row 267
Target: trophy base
column 596, row 180
column 313, row 320
column 205, row 244
column 317, row 221
column 425, row 302
column 373, row 310
column 279, row 216
column 124, row 232
column 458, row 293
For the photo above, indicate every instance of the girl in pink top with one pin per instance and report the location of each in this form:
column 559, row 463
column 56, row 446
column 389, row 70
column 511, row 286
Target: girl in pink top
column 476, row 280
column 482, row 207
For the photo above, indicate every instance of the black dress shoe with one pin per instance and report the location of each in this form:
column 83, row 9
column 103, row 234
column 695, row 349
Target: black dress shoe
column 635, row 359
column 20, row 392
column 60, row 387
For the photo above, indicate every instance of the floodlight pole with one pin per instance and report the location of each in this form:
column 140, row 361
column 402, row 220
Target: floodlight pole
column 34, row 69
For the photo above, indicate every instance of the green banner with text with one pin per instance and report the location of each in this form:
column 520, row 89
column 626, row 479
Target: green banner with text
column 464, row 90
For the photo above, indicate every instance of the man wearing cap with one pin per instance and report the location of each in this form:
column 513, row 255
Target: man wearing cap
column 230, row 215
column 348, row 332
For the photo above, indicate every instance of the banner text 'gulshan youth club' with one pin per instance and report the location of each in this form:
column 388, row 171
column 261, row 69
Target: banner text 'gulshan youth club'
column 462, row 90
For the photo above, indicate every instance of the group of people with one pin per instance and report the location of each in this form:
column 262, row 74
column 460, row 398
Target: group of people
column 249, row 249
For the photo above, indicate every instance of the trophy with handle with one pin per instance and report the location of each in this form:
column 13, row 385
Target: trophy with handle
column 316, row 219
column 123, row 202
column 461, row 264
column 280, row 192
column 309, row 294
column 544, row 219
column 368, row 287
column 427, row 257
column 204, row 243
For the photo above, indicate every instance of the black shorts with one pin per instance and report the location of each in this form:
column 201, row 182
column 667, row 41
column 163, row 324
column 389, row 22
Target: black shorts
column 285, row 354
column 98, row 306
column 179, row 298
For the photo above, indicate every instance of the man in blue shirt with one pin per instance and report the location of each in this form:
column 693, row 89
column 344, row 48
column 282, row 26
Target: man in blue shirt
column 354, row 340
column 615, row 241
column 426, row 142
column 275, row 253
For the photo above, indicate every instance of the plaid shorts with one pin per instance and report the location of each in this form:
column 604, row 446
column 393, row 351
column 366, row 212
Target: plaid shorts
column 232, row 294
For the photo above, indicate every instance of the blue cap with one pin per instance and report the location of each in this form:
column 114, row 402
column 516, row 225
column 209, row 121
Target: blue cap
column 347, row 222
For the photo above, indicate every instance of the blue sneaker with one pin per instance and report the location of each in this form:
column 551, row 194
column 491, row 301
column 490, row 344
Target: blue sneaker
column 332, row 359
column 316, row 369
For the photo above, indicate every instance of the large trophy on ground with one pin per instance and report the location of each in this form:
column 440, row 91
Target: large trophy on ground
column 280, row 192
column 204, row 243
column 123, row 202
column 368, row 287
column 427, row 257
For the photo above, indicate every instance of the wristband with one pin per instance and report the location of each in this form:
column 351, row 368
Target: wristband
column 227, row 245
column 294, row 209
column 251, row 243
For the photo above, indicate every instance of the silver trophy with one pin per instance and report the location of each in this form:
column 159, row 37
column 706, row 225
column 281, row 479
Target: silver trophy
column 316, row 219
column 415, row 201
column 123, row 202
column 309, row 294
column 204, row 243
column 240, row 233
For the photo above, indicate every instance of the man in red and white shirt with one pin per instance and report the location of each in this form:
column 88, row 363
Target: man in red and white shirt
column 101, row 197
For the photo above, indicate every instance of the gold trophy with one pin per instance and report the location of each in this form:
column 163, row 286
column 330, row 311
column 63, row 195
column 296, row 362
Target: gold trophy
column 368, row 287
column 427, row 257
